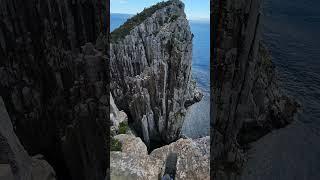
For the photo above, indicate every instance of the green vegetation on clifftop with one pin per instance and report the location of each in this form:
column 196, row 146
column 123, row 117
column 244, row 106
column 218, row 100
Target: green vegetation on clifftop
column 125, row 29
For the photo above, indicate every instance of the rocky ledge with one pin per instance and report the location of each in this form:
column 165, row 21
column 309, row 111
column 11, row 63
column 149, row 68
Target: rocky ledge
column 134, row 162
column 150, row 70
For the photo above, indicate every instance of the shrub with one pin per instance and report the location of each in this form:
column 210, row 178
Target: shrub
column 125, row 29
column 123, row 127
column 115, row 145
column 174, row 17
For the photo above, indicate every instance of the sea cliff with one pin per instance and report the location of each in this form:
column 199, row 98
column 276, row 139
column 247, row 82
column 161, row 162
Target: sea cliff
column 150, row 70
column 247, row 103
column 151, row 89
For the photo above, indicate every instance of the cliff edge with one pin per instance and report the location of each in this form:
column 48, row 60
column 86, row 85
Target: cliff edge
column 150, row 70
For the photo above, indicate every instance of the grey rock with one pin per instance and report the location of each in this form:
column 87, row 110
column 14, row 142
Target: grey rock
column 134, row 162
column 116, row 116
column 6, row 172
column 132, row 145
column 193, row 158
column 150, row 70
column 41, row 169
column 124, row 166
column 194, row 94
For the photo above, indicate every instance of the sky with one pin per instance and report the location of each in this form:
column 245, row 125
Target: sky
column 195, row 9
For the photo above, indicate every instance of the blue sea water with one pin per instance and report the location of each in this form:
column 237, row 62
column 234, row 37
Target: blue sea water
column 117, row 19
column 197, row 122
column 201, row 53
column 291, row 32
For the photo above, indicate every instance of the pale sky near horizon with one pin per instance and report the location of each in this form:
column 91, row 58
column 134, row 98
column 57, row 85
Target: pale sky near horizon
column 195, row 9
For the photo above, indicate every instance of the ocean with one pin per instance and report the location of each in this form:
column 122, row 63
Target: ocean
column 197, row 121
column 290, row 30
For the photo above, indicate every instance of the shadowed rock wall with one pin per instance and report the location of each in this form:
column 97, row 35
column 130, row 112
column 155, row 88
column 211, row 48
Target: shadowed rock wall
column 15, row 163
column 55, row 90
column 247, row 103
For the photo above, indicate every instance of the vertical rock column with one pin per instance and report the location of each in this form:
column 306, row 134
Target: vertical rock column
column 84, row 143
column 236, row 43
column 55, row 92
column 151, row 72
column 247, row 102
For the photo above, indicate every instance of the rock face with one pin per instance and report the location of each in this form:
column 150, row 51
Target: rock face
column 193, row 158
column 247, row 103
column 116, row 116
column 150, row 69
column 15, row 163
column 54, row 81
column 133, row 162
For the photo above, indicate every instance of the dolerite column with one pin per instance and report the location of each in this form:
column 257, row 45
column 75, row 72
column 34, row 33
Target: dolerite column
column 57, row 98
column 84, row 144
column 150, row 70
column 235, row 42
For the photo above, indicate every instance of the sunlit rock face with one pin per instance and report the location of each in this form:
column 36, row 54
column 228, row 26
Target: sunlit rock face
column 116, row 117
column 150, row 69
column 134, row 162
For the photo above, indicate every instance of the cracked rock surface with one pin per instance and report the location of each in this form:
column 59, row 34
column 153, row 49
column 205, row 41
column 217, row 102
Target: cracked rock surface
column 133, row 161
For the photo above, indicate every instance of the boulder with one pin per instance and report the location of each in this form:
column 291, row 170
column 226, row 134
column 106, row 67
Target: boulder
column 193, row 158
column 132, row 145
